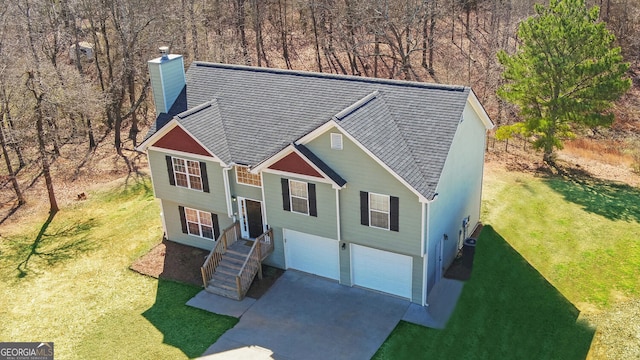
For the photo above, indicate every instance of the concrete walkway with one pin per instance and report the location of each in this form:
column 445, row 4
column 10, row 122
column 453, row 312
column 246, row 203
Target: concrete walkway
column 307, row 317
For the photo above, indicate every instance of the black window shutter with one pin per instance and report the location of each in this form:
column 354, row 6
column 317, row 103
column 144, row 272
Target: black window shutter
column 364, row 208
column 216, row 226
column 205, row 178
column 183, row 219
column 313, row 208
column 286, row 205
column 394, row 221
column 172, row 179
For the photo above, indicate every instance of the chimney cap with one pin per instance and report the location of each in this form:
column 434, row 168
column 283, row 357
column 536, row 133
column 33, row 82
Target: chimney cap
column 164, row 51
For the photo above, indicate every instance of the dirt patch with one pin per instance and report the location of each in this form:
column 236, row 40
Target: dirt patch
column 172, row 261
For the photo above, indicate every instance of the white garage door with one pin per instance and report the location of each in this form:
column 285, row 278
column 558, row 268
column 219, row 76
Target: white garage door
column 381, row 270
column 313, row 254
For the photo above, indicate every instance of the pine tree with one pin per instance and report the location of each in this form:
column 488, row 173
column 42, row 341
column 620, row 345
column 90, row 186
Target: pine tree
column 565, row 74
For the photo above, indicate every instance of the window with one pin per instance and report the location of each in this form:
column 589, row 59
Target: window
column 379, row 211
column 199, row 223
column 336, row 141
column 187, row 173
column 243, row 176
column 299, row 197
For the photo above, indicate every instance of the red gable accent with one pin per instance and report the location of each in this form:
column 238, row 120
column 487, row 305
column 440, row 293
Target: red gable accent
column 293, row 163
column 177, row 139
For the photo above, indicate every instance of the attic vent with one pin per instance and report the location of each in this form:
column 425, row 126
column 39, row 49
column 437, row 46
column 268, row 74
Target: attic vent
column 164, row 52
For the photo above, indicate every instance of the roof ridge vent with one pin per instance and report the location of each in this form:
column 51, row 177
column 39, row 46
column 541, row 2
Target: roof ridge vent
column 355, row 106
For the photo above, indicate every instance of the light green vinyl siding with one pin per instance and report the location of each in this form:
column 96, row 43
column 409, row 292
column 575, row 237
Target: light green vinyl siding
column 459, row 190
column 173, row 225
column 213, row 201
column 363, row 173
column 323, row 225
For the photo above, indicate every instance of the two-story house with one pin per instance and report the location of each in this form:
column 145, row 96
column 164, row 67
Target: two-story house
column 369, row 182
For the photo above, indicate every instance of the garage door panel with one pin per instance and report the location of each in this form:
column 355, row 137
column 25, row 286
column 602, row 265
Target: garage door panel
column 381, row 270
column 312, row 254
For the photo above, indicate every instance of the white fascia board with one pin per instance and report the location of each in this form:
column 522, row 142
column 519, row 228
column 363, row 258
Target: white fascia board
column 475, row 104
column 299, row 176
column 264, row 166
column 186, row 154
column 317, row 132
column 421, row 197
column 157, row 135
column 272, row 160
column 148, row 145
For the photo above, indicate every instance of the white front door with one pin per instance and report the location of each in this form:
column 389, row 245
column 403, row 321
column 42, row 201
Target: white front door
column 381, row 270
column 312, row 254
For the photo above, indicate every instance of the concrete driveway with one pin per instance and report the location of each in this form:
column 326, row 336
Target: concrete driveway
column 307, row 317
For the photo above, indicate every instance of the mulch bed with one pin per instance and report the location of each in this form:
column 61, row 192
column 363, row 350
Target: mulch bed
column 172, row 261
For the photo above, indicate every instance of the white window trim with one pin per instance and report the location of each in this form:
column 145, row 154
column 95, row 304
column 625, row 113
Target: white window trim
column 186, row 166
column 242, row 183
column 291, row 196
column 388, row 213
column 200, row 224
column 336, row 141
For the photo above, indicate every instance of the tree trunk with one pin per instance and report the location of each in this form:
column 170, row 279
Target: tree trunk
column 46, row 170
column 194, row 30
column 282, row 22
column 240, row 24
column 5, row 153
column 312, row 7
column 92, row 140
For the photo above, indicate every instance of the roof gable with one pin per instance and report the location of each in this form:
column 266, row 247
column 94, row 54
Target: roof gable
column 178, row 139
column 295, row 164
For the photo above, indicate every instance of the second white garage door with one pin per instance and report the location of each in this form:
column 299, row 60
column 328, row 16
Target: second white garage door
column 313, row 254
column 381, row 270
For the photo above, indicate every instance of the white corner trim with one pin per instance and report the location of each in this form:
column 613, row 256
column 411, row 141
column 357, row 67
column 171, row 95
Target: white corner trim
column 423, row 228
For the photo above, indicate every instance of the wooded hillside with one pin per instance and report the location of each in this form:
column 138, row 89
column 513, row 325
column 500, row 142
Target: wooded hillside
column 74, row 71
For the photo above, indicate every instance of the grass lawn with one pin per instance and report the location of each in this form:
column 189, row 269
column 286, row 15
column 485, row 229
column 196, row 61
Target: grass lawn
column 507, row 310
column 68, row 282
column 552, row 246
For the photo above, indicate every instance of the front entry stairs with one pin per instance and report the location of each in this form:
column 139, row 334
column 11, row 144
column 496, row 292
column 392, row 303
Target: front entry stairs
column 234, row 262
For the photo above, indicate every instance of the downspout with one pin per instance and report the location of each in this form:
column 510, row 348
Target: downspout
column 227, row 190
column 338, row 214
column 264, row 204
column 427, row 205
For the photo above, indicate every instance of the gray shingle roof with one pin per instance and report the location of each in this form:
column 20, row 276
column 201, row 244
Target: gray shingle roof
column 248, row 114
